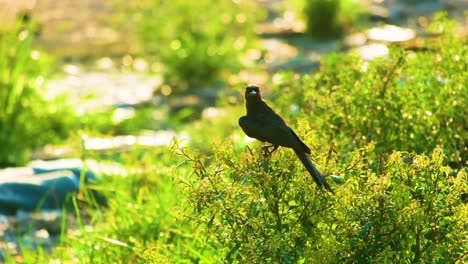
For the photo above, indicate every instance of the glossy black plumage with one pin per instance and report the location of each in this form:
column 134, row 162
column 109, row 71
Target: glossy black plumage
column 264, row 124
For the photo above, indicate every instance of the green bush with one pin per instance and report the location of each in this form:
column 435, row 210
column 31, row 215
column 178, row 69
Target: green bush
column 27, row 120
column 322, row 17
column 406, row 209
column 410, row 101
column 329, row 18
column 196, row 42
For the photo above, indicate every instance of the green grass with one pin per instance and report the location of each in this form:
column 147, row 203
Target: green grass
column 23, row 74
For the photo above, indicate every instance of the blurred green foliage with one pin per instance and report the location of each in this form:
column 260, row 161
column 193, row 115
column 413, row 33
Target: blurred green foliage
column 330, row 18
column 27, row 119
column 196, row 42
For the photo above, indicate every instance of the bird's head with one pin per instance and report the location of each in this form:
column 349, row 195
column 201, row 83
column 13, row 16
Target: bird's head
column 252, row 92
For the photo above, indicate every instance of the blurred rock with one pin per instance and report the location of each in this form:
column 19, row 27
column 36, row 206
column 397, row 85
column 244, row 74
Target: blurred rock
column 299, row 53
column 102, row 145
column 125, row 143
column 105, row 89
column 286, row 24
column 278, row 50
column 372, row 51
column 301, row 64
column 213, row 112
column 390, row 33
column 122, row 113
column 356, row 39
column 105, row 63
column 42, row 237
column 378, row 13
column 31, row 230
column 49, row 220
column 34, row 242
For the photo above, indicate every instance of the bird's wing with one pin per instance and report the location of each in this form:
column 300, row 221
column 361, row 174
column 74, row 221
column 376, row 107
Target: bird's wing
column 305, row 148
column 284, row 134
column 253, row 128
column 269, row 128
column 264, row 130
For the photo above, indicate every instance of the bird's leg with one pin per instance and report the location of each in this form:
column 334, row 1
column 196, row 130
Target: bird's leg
column 265, row 150
column 275, row 147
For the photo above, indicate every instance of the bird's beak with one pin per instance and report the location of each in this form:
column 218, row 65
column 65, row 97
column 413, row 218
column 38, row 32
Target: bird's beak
column 253, row 92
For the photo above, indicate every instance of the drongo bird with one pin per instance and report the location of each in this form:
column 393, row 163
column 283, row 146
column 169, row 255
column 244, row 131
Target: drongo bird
column 264, row 124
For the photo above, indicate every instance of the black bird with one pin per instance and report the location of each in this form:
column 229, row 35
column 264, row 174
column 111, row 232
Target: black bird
column 264, row 124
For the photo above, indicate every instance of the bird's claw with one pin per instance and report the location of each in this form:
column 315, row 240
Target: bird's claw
column 266, row 152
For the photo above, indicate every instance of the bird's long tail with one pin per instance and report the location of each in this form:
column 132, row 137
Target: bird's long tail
column 318, row 178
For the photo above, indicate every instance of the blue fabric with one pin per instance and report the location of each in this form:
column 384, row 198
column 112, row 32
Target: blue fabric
column 48, row 194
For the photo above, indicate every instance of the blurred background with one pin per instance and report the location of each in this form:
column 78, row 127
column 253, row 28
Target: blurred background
column 92, row 65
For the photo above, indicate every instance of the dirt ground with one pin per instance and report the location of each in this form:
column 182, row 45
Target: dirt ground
column 68, row 27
